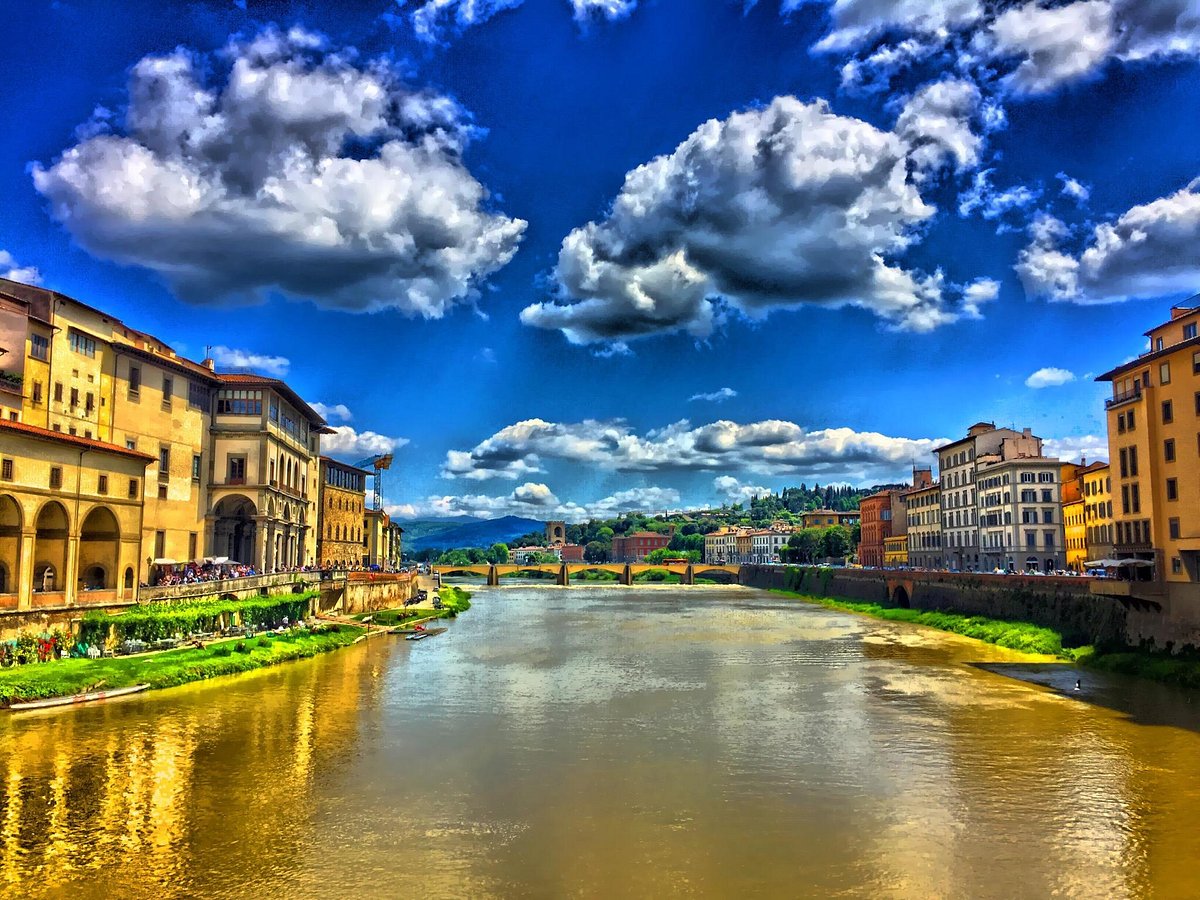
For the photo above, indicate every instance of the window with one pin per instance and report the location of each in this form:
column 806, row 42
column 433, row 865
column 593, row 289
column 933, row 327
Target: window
column 1133, row 467
column 39, row 347
column 1189, row 331
column 1135, row 498
column 1158, row 344
column 1048, row 539
column 1196, row 363
column 274, row 410
column 1169, row 450
column 102, row 484
column 162, row 492
column 1176, row 565
column 1129, row 420
column 192, row 538
column 135, row 381
column 1172, row 489
column 1173, row 529
column 1125, row 499
column 56, row 476
column 1047, row 496
column 89, row 403
column 237, row 470
column 58, row 392
column 74, row 397
column 195, row 470
column 1164, row 373
column 6, row 469
column 198, row 395
column 1121, row 417
column 81, row 343
column 164, row 463
column 160, row 544
column 239, row 403
column 168, row 391
column 1168, row 412
column 133, row 488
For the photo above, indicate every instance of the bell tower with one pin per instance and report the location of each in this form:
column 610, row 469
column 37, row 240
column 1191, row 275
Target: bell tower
column 556, row 533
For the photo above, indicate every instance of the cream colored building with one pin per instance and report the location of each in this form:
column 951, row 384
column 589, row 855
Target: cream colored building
column 70, row 519
column 264, row 478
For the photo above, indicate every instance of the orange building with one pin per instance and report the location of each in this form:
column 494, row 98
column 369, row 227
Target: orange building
column 876, row 515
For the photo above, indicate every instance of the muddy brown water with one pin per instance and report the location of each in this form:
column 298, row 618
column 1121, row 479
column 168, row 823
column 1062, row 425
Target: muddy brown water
column 617, row 742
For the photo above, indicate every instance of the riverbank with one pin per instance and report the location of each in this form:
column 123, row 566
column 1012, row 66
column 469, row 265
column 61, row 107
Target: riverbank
column 1183, row 671
column 170, row 668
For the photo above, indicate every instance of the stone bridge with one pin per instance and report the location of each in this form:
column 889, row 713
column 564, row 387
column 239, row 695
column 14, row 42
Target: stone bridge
column 562, row 572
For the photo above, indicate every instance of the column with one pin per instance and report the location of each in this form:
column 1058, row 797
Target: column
column 25, row 575
column 261, row 539
column 71, row 583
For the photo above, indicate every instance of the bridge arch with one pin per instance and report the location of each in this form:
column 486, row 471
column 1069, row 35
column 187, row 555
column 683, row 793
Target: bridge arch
column 900, row 597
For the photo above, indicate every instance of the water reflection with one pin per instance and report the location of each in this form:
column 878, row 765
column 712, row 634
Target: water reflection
column 609, row 742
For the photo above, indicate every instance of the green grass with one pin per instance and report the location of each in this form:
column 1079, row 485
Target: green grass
column 1182, row 670
column 390, row 617
column 455, row 600
column 160, row 670
column 1021, row 636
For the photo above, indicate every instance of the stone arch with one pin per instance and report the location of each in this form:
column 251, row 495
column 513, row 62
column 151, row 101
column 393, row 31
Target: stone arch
column 129, row 578
column 235, row 530
column 99, row 550
column 51, row 526
column 10, row 543
column 900, row 597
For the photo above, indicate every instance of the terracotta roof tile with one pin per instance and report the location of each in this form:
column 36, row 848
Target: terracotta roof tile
column 47, row 434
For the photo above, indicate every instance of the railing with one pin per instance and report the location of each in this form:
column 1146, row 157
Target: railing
column 167, row 592
column 1135, row 393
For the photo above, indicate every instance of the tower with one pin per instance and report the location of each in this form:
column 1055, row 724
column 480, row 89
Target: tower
column 556, row 533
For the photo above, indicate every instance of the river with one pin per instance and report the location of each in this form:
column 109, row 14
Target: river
column 616, row 742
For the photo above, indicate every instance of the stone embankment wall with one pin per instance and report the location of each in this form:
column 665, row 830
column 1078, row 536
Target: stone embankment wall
column 365, row 592
column 1064, row 604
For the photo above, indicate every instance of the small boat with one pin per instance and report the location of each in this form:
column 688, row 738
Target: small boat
column 72, row 699
column 417, row 636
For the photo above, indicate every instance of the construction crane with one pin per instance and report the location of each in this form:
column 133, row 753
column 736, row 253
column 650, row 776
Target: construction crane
column 377, row 464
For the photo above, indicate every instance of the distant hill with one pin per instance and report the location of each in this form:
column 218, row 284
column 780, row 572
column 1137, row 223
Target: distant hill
column 465, row 531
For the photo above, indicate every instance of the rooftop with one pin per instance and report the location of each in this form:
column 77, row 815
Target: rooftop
column 248, row 378
column 45, row 434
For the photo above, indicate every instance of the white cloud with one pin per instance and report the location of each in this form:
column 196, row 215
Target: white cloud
column 337, row 412
column 607, row 9
column 349, row 444
column 733, row 491
column 432, row 20
column 857, row 22
column 1055, row 45
column 1049, row 377
column 536, row 500
column 718, row 396
column 283, row 165
column 1072, row 449
column 936, row 122
column 1151, row 250
column 992, row 204
column 13, row 272
column 771, row 447
column 779, row 207
column 232, row 358
column 1074, row 189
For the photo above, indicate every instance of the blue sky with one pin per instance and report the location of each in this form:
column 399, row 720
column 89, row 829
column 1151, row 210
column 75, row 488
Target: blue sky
column 570, row 257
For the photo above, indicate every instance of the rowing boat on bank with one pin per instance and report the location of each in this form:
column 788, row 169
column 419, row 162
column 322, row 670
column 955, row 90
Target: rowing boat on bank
column 73, row 699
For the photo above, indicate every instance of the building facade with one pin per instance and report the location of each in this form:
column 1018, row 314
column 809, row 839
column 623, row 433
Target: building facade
column 876, row 514
column 1152, row 447
column 634, row 547
column 923, row 511
column 1020, row 508
column 824, row 518
column 342, row 505
column 70, row 519
column 264, row 475
column 895, row 551
column 1097, row 511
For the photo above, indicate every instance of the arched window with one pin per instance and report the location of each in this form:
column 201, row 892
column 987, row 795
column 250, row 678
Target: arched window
column 129, row 578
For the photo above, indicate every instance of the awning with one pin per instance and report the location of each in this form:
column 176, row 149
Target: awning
column 1117, row 563
column 165, row 562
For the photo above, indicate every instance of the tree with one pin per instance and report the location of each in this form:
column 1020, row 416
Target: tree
column 664, row 553
column 803, row 546
column 835, row 542
column 596, row 552
column 498, row 553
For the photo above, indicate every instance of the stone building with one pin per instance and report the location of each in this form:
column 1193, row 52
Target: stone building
column 633, row 547
column 342, row 505
column 70, row 519
column 923, row 510
column 87, row 373
column 1019, row 507
column 265, row 470
column 1097, row 510
column 1152, row 447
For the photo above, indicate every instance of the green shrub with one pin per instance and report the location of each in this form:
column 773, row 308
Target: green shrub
column 241, row 647
column 263, row 642
column 154, row 621
column 222, row 650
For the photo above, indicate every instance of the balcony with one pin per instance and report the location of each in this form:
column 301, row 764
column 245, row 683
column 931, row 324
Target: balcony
column 1134, row 393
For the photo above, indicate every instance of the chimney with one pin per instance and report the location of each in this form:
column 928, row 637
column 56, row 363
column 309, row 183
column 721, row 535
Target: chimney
column 208, row 363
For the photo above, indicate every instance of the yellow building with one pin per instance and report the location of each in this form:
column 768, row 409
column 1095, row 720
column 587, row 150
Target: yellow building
column 340, row 522
column 1097, row 510
column 895, row 551
column 1152, row 447
column 823, row 518
column 86, row 373
column 70, row 519
column 263, row 488
column 1075, row 529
